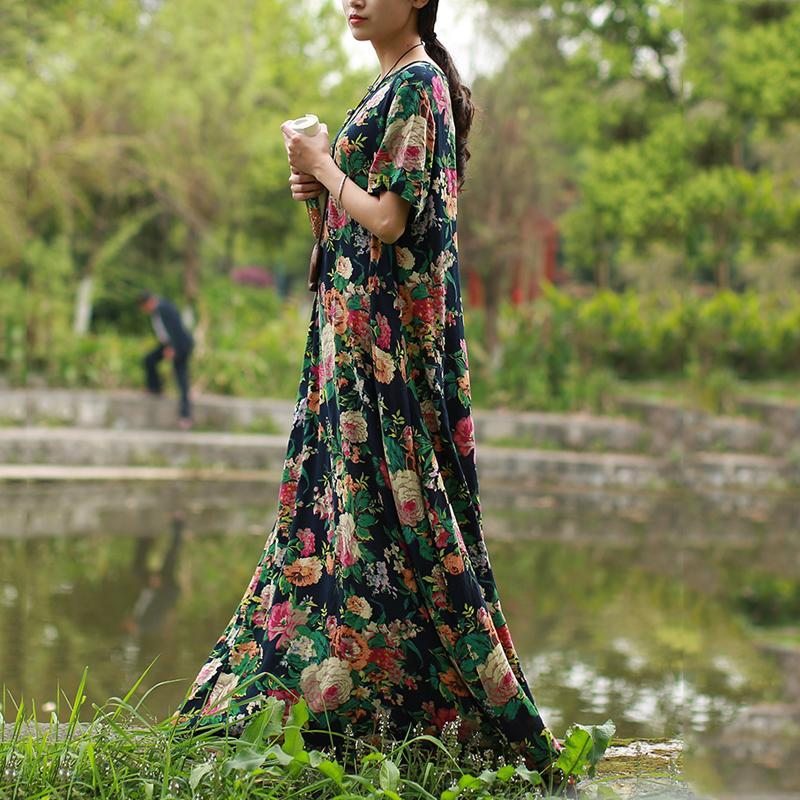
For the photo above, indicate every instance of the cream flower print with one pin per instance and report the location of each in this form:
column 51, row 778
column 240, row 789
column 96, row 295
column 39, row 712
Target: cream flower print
column 354, row 426
column 359, row 606
column 220, row 697
column 498, row 678
column 405, row 258
column 344, row 267
column 405, row 139
column 327, row 685
column 384, row 365
column 408, row 496
column 346, row 543
column 328, row 354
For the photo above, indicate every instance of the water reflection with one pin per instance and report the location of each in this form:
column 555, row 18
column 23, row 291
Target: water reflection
column 641, row 624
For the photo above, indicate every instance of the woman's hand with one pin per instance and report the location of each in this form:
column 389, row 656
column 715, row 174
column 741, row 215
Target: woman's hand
column 304, row 186
column 306, row 154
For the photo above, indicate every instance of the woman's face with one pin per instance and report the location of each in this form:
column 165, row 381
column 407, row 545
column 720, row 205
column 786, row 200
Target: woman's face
column 381, row 20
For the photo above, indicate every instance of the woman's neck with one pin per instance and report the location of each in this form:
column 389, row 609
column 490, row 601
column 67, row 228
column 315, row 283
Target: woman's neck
column 389, row 52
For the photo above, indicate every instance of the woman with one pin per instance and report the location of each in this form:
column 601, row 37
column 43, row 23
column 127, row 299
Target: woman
column 374, row 596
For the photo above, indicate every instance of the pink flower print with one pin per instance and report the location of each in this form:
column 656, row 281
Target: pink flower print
column 358, row 322
column 337, row 216
column 464, row 436
column 254, row 581
column 424, row 310
column 209, row 670
column 438, row 293
column 440, row 94
column 451, row 176
column 283, row 622
column 306, row 536
column 288, row 493
column 385, row 336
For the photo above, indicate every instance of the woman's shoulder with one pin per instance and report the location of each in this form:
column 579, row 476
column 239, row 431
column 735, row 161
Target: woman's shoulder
column 416, row 80
column 422, row 70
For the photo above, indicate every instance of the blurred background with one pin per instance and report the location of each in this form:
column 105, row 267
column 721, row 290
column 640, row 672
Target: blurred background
column 630, row 268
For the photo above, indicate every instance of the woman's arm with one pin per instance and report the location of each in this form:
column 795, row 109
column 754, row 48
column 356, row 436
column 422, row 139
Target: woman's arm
column 385, row 215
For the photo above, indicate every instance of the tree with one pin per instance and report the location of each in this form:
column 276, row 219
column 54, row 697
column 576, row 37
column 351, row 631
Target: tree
column 166, row 150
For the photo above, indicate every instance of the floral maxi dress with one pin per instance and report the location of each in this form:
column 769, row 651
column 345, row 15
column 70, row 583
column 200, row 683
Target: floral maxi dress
column 374, row 596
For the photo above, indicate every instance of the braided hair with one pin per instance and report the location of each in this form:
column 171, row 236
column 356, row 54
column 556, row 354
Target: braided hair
column 460, row 95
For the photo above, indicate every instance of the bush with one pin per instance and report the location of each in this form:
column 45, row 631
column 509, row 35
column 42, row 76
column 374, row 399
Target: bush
column 557, row 353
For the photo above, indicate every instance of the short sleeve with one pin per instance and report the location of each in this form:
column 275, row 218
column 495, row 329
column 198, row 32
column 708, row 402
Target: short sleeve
column 403, row 161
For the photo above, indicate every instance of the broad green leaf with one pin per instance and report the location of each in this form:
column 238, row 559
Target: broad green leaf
column 279, row 754
column 299, row 715
column 389, row 777
column 504, row 773
column 573, row 759
column 468, row 781
column 529, row 775
column 198, row 773
column 332, row 770
column 266, row 723
column 245, row 759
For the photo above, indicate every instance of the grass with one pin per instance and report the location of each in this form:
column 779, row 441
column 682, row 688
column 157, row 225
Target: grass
column 121, row 755
column 787, row 636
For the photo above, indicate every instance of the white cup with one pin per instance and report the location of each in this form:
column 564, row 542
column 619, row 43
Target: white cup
column 307, row 125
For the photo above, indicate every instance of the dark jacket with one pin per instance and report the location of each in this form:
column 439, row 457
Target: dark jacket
column 180, row 339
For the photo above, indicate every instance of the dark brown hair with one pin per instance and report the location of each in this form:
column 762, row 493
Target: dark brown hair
column 460, row 95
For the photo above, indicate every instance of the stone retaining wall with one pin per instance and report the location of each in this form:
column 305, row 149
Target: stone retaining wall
column 666, row 446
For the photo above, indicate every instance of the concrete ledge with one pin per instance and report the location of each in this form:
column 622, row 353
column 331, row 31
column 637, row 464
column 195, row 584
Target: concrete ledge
column 653, row 427
column 123, row 410
column 54, row 473
column 545, row 467
column 783, row 418
column 140, row 411
column 734, row 469
column 692, row 429
column 104, row 448
column 197, row 454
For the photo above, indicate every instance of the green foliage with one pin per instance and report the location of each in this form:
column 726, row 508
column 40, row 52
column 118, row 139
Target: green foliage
column 563, row 353
column 145, row 145
column 651, row 124
column 558, row 353
column 249, row 342
column 121, row 754
column 770, row 599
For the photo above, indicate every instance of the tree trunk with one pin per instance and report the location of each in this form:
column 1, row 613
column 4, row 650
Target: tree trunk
column 723, row 261
column 603, row 271
column 723, row 273
column 191, row 265
column 230, row 241
column 83, row 306
column 493, row 297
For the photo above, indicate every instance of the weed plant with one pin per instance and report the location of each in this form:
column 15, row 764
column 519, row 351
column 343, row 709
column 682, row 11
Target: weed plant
column 123, row 755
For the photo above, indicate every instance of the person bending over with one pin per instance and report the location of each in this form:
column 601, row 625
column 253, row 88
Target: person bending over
column 175, row 343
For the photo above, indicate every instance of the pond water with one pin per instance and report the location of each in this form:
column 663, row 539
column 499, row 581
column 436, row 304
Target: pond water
column 673, row 615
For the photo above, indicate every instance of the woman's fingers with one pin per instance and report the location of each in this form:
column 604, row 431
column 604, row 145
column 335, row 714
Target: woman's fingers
column 304, row 186
column 304, row 195
column 301, row 178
